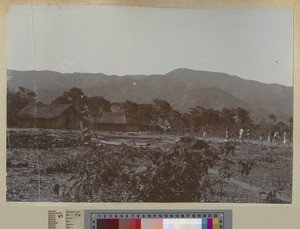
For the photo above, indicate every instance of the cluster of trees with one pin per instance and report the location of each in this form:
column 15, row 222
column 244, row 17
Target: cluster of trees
column 198, row 119
column 16, row 101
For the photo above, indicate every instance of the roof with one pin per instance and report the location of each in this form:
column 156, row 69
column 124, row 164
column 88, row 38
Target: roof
column 116, row 118
column 46, row 111
column 163, row 122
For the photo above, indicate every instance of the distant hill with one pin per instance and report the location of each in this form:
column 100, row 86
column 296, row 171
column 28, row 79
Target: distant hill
column 182, row 88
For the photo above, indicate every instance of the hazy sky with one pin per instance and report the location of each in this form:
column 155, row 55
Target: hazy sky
column 252, row 44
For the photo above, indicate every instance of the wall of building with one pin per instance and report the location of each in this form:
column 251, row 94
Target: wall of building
column 122, row 127
column 68, row 120
column 38, row 123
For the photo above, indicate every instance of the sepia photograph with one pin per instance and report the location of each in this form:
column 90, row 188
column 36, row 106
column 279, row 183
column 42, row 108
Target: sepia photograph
column 143, row 104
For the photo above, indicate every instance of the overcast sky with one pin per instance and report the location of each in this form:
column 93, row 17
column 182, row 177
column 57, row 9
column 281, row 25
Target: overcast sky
column 252, row 44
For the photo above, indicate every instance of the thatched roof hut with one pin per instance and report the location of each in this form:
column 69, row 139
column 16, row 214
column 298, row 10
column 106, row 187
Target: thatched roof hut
column 50, row 116
column 120, row 122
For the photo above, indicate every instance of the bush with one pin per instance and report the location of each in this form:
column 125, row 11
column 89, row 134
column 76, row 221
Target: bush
column 177, row 174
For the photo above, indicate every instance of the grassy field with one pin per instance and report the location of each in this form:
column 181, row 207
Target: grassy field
column 116, row 166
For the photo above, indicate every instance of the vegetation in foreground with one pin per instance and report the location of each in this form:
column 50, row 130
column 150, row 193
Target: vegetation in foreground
column 73, row 166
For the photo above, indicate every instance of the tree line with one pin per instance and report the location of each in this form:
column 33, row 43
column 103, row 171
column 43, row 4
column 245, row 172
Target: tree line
column 198, row 119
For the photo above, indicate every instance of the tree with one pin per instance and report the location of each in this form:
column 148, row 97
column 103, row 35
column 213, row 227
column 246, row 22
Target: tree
column 195, row 119
column 280, row 126
column 202, row 117
column 130, row 107
column 272, row 118
column 243, row 117
column 16, row 101
column 177, row 121
column 291, row 121
column 74, row 96
column 186, row 121
column 211, row 116
column 145, row 113
column 97, row 105
column 162, row 107
column 227, row 116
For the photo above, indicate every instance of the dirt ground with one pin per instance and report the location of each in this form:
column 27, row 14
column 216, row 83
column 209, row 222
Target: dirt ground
column 30, row 153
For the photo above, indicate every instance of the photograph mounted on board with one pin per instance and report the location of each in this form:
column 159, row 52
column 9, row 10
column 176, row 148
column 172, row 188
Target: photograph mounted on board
column 137, row 104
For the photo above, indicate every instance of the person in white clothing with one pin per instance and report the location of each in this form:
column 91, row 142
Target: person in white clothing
column 226, row 135
column 241, row 135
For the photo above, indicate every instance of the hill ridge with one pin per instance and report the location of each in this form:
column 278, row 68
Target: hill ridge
column 182, row 87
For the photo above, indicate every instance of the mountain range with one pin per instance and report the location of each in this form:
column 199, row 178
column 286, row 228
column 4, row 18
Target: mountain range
column 182, row 88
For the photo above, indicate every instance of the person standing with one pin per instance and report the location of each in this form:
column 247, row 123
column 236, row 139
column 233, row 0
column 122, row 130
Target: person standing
column 286, row 140
column 227, row 135
column 205, row 133
column 270, row 137
column 261, row 137
column 241, row 135
column 276, row 137
column 248, row 135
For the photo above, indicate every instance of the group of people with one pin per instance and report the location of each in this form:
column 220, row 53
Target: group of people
column 276, row 137
column 271, row 137
column 242, row 135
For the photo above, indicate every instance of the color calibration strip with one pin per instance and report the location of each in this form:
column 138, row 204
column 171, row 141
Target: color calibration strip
column 209, row 223
column 158, row 221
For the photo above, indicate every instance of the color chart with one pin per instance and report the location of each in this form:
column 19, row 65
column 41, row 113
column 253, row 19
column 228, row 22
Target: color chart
column 210, row 223
column 158, row 220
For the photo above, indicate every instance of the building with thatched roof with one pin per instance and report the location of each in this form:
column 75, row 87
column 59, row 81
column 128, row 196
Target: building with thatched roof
column 120, row 122
column 51, row 116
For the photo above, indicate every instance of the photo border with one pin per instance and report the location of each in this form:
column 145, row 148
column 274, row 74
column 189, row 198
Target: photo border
column 241, row 211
